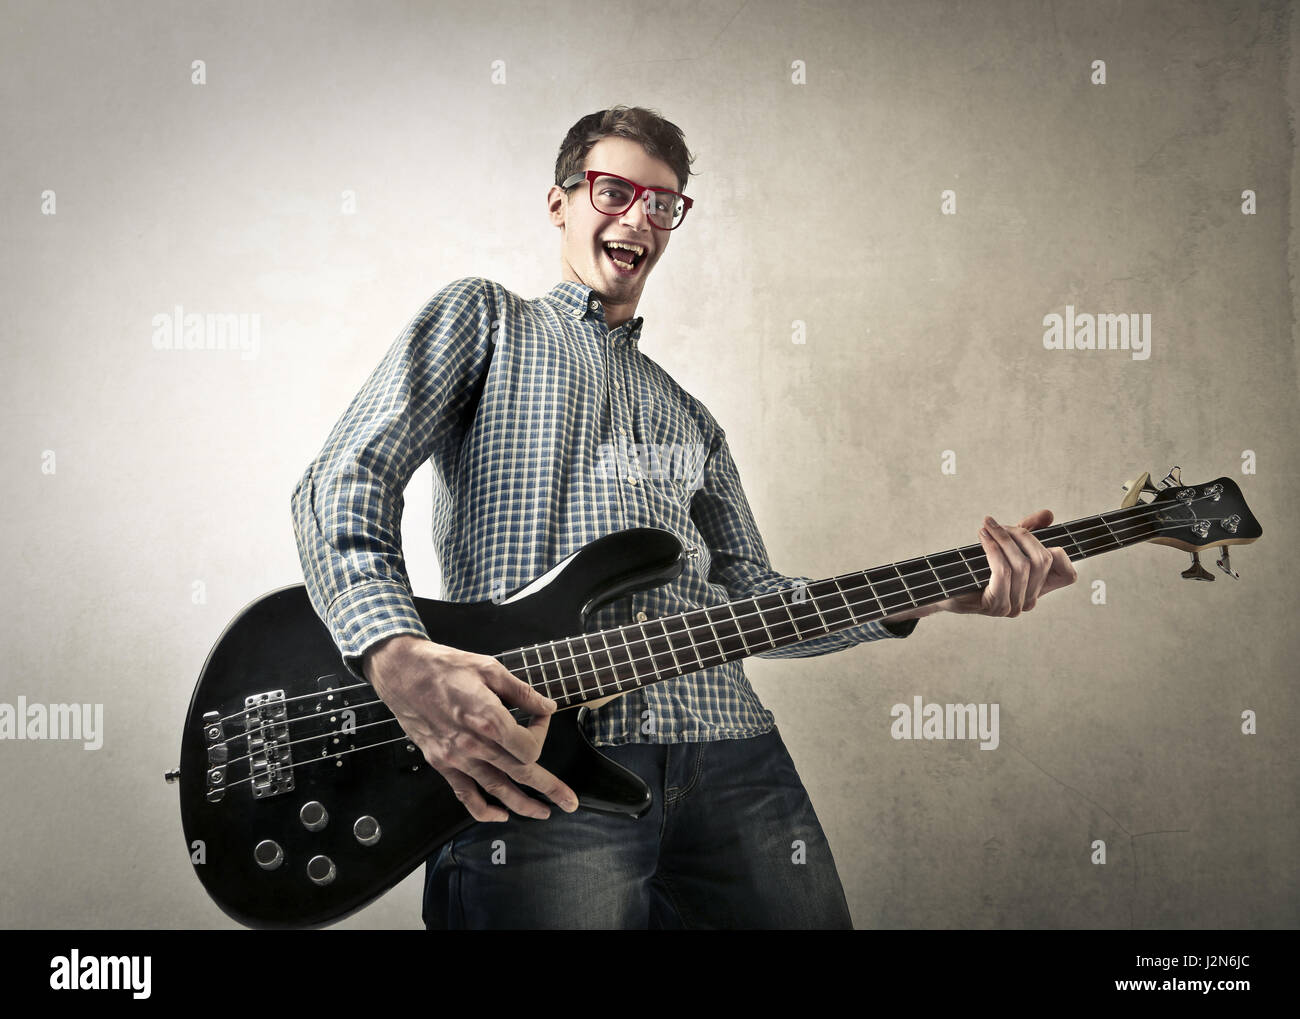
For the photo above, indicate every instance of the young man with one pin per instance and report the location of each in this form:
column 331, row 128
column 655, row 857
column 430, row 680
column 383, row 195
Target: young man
column 526, row 409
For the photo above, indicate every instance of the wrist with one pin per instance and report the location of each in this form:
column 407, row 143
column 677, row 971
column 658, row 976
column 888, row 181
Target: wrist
column 388, row 652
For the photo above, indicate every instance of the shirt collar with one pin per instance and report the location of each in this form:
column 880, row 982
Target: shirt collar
column 576, row 301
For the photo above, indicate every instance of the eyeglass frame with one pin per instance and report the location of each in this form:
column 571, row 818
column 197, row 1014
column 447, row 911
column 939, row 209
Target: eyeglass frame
column 639, row 192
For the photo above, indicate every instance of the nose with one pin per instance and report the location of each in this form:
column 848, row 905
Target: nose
column 637, row 215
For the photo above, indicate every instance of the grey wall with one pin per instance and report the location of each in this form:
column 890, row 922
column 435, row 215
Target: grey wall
column 817, row 202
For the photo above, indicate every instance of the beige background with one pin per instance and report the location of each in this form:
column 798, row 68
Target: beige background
column 816, row 202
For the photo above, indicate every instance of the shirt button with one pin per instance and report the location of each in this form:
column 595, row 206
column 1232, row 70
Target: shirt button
column 594, row 305
column 615, row 386
column 632, row 482
column 641, row 617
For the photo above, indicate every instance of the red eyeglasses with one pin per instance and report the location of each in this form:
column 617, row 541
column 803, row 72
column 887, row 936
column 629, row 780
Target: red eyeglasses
column 614, row 195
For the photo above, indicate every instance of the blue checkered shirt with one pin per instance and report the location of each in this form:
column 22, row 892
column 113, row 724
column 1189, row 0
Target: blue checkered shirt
column 546, row 430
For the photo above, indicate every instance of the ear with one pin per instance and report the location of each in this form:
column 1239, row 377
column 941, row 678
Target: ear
column 556, row 205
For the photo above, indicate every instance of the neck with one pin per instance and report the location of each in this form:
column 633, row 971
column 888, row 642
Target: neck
column 609, row 662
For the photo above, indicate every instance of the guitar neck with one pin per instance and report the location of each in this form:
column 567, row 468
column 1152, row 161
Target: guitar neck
column 609, row 662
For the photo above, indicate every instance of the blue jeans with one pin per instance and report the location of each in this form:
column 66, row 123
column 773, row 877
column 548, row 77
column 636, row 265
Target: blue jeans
column 731, row 842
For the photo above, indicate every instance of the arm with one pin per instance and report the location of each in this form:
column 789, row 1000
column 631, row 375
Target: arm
column 739, row 558
column 347, row 511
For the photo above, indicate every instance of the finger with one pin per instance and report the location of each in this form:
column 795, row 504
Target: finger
column 1038, row 520
column 495, row 782
column 1040, row 564
column 515, row 692
column 996, row 598
column 1063, row 573
column 468, row 794
column 1016, row 564
column 536, row 777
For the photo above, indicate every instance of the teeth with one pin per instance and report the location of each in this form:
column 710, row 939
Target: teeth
column 630, row 247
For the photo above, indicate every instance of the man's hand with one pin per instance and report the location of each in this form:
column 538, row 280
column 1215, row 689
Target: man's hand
column 1022, row 571
column 452, row 705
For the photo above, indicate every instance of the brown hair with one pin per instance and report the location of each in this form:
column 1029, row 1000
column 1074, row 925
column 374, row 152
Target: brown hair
column 660, row 138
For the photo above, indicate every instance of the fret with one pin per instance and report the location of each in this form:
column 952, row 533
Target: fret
column 566, row 660
column 952, row 573
column 910, row 597
column 772, row 609
column 817, row 594
column 724, row 626
column 675, row 626
column 697, row 620
column 609, row 659
column 677, row 668
column 1093, row 545
column 601, row 660
column 800, row 609
column 975, row 554
column 1106, row 524
column 848, row 606
column 830, row 605
column 621, row 656
column 891, row 592
column 673, row 669
column 545, row 680
column 926, row 586
column 637, row 659
column 591, row 665
column 559, row 671
column 740, row 629
column 770, row 642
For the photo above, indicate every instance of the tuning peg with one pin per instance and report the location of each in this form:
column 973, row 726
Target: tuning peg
column 1136, row 488
column 1196, row 571
column 1225, row 565
column 1174, row 479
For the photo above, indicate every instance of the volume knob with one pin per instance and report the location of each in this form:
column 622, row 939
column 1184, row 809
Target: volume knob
column 313, row 815
column 321, row 870
column 367, row 830
column 268, row 854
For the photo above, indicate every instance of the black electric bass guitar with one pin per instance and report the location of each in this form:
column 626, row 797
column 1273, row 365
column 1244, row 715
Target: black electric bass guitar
column 302, row 800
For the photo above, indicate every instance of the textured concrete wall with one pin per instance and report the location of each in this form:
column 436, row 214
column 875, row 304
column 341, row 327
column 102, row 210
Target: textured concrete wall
column 147, row 495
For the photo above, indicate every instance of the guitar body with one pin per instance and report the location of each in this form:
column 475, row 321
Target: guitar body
column 298, row 847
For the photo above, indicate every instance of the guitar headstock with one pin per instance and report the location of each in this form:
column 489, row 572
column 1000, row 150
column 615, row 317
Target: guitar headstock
column 1196, row 517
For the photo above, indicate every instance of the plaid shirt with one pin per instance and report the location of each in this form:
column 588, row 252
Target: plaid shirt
column 546, row 430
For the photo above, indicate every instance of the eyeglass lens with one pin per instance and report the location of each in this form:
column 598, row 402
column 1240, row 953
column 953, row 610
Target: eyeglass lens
column 613, row 196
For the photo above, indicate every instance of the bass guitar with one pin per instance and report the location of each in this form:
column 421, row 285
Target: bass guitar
column 302, row 800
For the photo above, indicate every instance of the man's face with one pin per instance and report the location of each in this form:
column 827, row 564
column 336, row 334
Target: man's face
column 584, row 256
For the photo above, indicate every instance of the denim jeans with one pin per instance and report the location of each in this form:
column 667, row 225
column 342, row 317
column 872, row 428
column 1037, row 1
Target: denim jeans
column 731, row 842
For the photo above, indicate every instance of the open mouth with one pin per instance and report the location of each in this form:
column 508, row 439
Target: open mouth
column 625, row 257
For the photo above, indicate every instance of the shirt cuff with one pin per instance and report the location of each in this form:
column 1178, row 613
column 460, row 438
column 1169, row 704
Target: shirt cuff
column 361, row 617
column 900, row 629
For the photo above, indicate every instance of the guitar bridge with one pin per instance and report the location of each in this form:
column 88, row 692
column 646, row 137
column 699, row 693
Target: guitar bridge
column 270, row 758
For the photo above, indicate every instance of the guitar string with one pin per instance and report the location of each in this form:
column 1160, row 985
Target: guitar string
column 1077, row 540
column 600, row 687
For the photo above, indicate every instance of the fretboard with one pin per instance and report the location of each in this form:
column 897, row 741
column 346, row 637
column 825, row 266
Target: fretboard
column 608, row 662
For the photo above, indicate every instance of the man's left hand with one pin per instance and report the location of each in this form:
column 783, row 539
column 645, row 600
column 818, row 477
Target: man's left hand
column 1023, row 570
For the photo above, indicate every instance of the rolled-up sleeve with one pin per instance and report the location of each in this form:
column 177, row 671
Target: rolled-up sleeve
column 347, row 507
column 739, row 560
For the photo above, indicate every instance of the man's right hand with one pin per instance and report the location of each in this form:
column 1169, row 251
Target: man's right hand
column 450, row 703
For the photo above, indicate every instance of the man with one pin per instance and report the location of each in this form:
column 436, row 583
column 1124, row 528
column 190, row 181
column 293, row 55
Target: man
column 526, row 410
